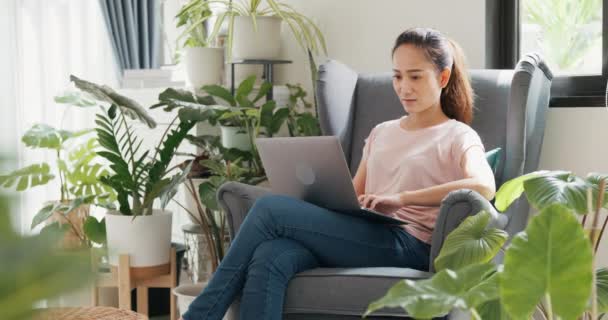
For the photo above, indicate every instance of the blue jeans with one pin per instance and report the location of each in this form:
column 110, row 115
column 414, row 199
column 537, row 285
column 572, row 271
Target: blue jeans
column 282, row 236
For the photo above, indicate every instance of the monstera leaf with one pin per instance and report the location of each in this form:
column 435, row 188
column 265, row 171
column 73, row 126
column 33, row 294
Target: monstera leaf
column 45, row 136
column 28, row 177
column 470, row 243
column 550, row 260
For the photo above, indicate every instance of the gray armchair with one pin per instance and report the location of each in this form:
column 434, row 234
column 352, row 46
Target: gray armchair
column 510, row 113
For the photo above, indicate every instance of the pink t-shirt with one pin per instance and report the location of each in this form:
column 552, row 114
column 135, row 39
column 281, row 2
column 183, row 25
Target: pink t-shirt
column 406, row 160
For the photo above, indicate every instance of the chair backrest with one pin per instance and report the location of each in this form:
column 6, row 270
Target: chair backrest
column 510, row 112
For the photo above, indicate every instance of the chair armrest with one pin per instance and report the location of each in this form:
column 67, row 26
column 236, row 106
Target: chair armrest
column 455, row 207
column 236, row 199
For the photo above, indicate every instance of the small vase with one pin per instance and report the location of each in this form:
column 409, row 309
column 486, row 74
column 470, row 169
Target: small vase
column 235, row 137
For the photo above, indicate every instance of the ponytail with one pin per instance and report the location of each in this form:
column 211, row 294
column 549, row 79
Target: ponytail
column 457, row 97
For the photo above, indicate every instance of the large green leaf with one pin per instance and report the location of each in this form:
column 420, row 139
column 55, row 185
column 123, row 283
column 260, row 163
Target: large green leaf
column 594, row 180
column 512, row 190
column 470, row 243
column 30, row 176
column 95, row 230
column 44, row 136
column 127, row 106
column 601, row 280
column 551, row 260
column 220, row 92
column 566, row 189
column 177, row 98
column 446, row 290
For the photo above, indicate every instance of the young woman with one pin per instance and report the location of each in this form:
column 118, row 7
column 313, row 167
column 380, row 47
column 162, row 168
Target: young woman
column 408, row 166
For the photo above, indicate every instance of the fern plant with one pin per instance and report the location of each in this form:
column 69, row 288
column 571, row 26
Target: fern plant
column 79, row 171
column 138, row 176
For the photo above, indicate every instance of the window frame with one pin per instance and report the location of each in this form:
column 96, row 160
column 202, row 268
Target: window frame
column 502, row 44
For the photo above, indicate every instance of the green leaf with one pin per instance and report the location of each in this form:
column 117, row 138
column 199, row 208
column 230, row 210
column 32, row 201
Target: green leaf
column 564, row 188
column 127, row 106
column 244, row 90
column 512, row 190
column 28, row 177
column 45, row 136
column 95, row 230
column 42, row 273
column 446, row 290
column 45, row 213
column 601, row 280
column 264, row 89
column 266, row 113
column 171, row 189
column 470, row 243
column 220, row 92
column 551, row 259
column 76, row 98
column 207, row 192
column 278, row 119
column 177, row 98
column 492, row 310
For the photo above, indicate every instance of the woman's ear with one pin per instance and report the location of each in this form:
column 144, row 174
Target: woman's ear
column 444, row 77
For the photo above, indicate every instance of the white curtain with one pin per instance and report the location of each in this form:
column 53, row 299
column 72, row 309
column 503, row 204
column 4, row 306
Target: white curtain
column 54, row 38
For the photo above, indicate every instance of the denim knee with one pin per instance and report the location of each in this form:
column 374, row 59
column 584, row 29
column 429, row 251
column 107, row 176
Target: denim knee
column 262, row 207
column 273, row 256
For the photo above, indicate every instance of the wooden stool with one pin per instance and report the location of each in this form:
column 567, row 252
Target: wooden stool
column 126, row 278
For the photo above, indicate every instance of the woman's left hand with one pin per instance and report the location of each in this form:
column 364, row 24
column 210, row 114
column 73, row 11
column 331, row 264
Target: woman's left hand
column 382, row 203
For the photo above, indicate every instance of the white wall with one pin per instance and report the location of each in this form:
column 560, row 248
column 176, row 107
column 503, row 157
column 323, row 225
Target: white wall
column 361, row 33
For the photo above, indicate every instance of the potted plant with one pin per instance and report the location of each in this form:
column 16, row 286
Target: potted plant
column 204, row 63
column 79, row 170
column 254, row 30
column 139, row 178
column 548, row 268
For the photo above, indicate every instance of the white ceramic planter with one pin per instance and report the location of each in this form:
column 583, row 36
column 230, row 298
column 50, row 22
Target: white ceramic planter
column 146, row 239
column 186, row 293
column 263, row 44
column 204, row 66
column 232, row 138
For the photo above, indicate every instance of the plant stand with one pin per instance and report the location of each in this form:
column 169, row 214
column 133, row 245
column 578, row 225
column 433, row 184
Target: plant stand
column 125, row 278
column 268, row 71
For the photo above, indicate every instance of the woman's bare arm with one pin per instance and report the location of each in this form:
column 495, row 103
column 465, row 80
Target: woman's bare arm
column 478, row 177
column 360, row 176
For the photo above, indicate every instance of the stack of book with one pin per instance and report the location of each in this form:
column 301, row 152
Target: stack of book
column 150, row 78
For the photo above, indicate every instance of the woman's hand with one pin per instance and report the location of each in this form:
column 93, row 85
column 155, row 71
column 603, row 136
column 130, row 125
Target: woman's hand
column 382, row 203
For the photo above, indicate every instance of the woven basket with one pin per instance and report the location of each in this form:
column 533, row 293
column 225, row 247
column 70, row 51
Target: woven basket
column 86, row 313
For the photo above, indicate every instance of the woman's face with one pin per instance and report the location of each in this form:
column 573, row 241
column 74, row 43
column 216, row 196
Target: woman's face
column 416, row 79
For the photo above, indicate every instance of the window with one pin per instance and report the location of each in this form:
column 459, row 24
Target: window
column 569, row 35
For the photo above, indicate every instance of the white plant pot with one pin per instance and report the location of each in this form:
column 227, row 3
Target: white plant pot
column 146, row 239
column 186, row 293
column 232, row 138
column 263, row 44
column 204, row 66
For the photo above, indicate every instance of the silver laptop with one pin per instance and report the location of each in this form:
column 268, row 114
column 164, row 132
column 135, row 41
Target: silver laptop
column 313, row 169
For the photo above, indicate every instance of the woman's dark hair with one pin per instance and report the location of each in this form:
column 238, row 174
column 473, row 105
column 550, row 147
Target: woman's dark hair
column 457, row 97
